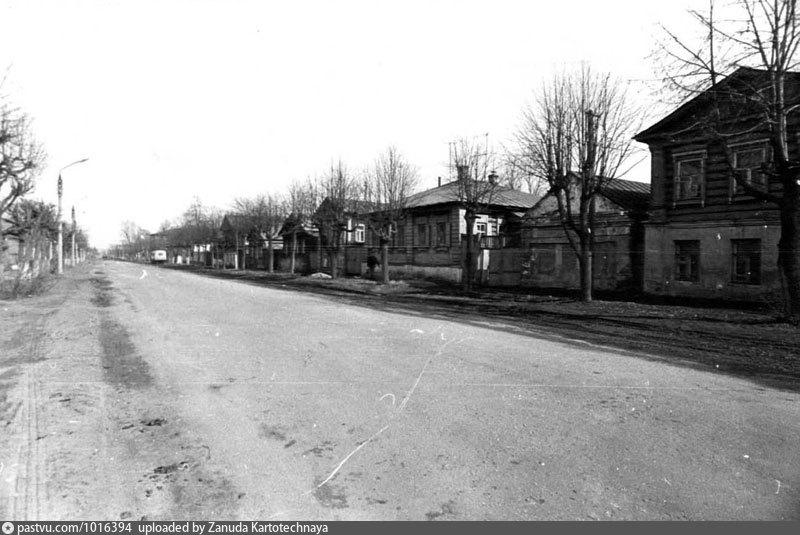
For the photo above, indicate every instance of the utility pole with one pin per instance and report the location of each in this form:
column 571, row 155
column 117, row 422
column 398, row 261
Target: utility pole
column 61, row 223
column 60, row 228
column 74, row 255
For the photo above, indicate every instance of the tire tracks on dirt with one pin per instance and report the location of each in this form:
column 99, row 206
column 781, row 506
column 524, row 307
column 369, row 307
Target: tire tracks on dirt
column 28, row 497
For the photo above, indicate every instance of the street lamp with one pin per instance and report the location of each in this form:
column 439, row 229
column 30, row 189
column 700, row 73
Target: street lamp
column 74, row 228
column 60, row 223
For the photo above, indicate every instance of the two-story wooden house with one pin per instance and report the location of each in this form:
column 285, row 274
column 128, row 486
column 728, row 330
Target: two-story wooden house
column 706, row 236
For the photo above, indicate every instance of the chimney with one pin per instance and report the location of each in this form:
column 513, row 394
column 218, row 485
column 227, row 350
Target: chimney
column 463, row 172
column 493, row 178
column 440, row 182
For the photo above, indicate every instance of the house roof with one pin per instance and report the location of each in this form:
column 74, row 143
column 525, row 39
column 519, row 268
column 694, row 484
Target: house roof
column 629, row 194
column 742, row 80
column 238, row 221
column 351, row 207
column 448, row 193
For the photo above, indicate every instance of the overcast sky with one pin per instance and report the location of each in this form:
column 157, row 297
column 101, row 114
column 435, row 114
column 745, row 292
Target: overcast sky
column 220, row 99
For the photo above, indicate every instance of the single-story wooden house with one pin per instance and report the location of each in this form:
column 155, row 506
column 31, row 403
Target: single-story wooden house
column 547, row 260
column 244, row 244
column 431, row 239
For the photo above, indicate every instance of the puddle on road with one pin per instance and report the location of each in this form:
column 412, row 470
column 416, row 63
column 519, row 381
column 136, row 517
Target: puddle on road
column 122, row 366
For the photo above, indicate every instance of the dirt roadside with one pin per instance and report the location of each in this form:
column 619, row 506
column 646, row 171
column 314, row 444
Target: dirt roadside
column 83, row 434
column 743, row 342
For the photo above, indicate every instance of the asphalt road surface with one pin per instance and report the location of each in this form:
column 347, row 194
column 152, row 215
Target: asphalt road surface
column 133, row 392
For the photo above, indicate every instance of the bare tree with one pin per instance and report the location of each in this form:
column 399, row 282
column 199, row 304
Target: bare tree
column 389, row 182
column 134, row 240
column 576, row 136
column 762, row 35
column 516, row 172
column 302, row 201
column 21, row 158
column 267, row 212
column 476, row 184
column 199, row 226
column 335, row 213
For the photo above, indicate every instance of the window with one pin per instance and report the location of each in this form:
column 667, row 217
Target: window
column 687, row 259
column 399, row 237
column 689, row 174
column 422, row 235
column 480, row 228
column 746, row 261
column 441, row 234
column 747, row 168
column 361, row 232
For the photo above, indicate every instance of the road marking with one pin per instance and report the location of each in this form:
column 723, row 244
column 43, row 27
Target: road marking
column 144, row 274
column 388, row 394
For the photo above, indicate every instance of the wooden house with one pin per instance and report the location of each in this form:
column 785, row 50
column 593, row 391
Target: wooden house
column 547, row 259
column 244, row 243
column 431, row 239
column 301, row 245
column 706, row 236
column 342, row 231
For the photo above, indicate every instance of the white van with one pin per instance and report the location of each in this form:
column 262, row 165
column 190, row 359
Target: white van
column 158, row 256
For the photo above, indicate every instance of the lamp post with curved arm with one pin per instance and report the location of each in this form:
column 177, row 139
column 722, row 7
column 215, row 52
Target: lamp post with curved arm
column 60, row 223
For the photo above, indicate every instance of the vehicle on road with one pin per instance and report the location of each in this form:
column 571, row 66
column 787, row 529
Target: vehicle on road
column 159, row 256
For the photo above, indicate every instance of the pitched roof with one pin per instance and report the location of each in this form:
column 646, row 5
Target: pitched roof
column 239, row 222
column 448, row 193
column 628, row 194
column 742, row 80
column 350, row 206
column 631, row 196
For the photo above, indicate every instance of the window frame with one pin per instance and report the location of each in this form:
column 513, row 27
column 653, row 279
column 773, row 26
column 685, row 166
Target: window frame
column 680, row 158
column 753, row 274
column 422, row 235
column 683, row 256
column 360, row 233
column 735, row 191
column 441, row 234
column 399, row 235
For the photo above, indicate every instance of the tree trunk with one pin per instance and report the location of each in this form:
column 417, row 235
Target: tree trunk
column 789, row 259
column 333, row 261
column 585, row 263
column 468, row 270
column 586, row 248
column 270, row 256
column 294, row 252
column 385, row 261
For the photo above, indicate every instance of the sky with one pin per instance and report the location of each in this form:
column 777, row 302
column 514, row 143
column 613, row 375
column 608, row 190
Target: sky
column 221, row 99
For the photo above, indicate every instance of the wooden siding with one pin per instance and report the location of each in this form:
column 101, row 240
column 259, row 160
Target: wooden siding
column 716, row 203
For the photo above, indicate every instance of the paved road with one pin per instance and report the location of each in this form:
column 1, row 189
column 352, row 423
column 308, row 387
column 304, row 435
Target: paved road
column 160, row 394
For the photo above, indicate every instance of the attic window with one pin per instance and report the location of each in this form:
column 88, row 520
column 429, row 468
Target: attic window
column 689, row 182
